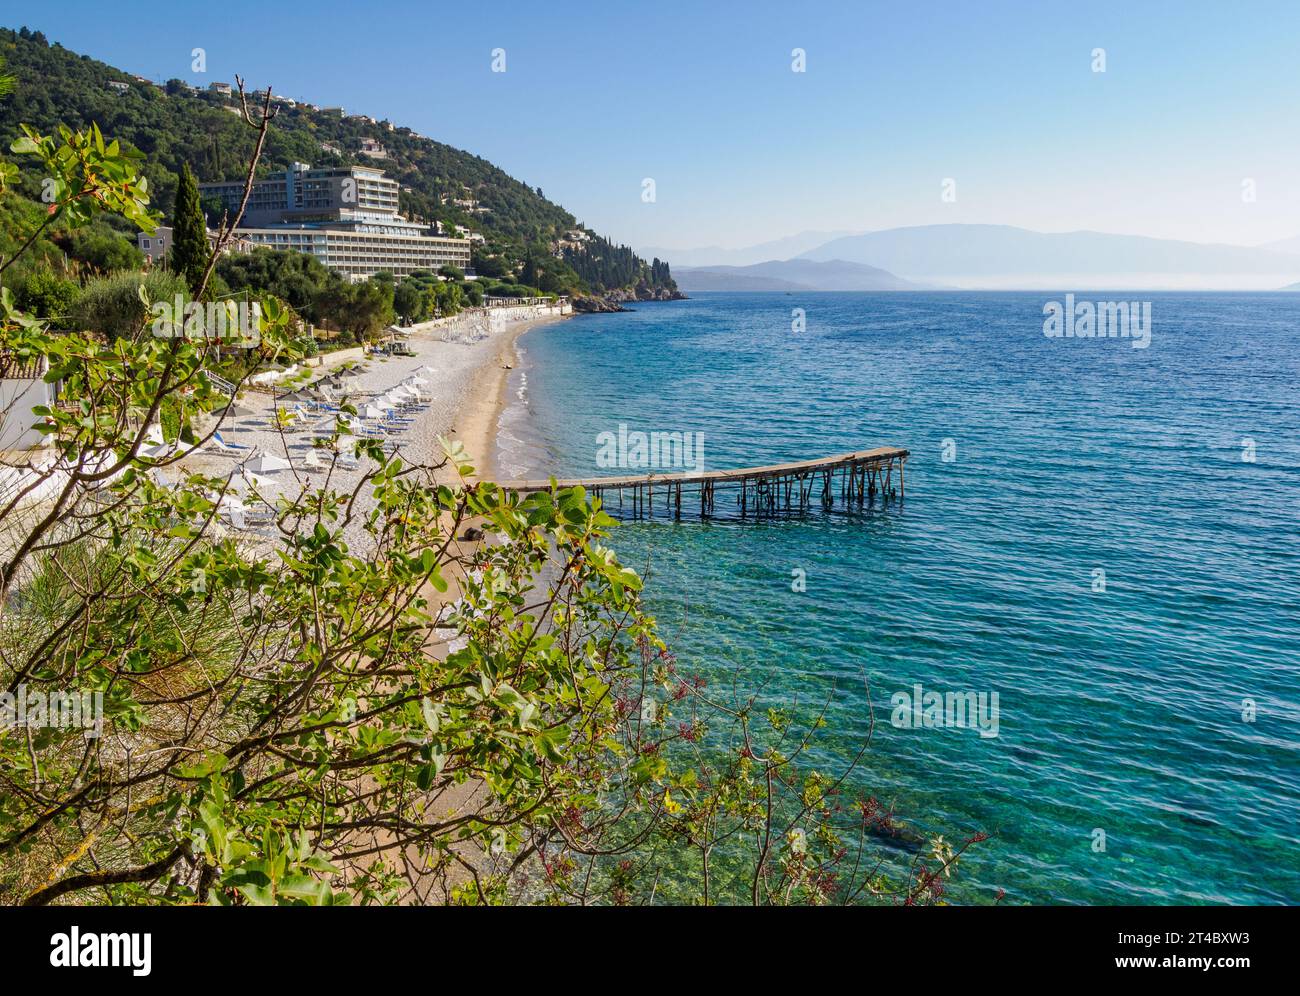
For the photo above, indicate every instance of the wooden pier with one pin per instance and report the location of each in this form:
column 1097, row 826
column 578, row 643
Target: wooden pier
column 854, row 480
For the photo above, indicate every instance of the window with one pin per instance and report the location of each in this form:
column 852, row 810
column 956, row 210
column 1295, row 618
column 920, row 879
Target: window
column 145, row 243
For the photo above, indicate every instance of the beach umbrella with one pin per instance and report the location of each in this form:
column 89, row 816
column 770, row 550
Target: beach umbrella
column 246, row 480
column 415, row 379
column 266, row 463
column 374, row 411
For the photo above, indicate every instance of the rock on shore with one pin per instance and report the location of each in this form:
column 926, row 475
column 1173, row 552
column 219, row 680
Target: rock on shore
column 615, row 299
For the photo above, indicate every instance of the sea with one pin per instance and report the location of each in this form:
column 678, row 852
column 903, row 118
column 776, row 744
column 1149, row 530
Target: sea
column 1103, row 533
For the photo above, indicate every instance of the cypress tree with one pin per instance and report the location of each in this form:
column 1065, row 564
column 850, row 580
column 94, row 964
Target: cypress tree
column 189, row 252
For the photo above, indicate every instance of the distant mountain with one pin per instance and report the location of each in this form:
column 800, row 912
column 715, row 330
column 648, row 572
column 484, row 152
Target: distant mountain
column 1283, row 245
column 729, row 278
column 1002, row 256
column 713, row 256
column 791, row 275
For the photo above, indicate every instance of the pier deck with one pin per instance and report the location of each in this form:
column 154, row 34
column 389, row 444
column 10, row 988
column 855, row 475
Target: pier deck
column 858, row 477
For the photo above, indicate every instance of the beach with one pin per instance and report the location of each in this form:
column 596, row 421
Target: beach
column 464, row 368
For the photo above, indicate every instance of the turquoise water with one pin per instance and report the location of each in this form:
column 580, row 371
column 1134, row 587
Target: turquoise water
column 1120, row 710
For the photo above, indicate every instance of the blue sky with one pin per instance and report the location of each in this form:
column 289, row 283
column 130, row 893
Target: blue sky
column 1000, row 97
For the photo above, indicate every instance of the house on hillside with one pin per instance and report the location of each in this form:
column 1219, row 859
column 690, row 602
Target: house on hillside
column 117, row 87
column 155, row 246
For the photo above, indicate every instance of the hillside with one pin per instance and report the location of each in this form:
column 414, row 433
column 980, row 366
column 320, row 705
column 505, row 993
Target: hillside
column 173, row 124
column 794, row 274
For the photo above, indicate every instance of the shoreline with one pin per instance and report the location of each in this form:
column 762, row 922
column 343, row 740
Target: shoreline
column 478, row 418
column 487, row 399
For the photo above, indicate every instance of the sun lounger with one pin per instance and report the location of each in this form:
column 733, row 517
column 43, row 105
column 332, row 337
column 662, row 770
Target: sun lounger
column 226, row 447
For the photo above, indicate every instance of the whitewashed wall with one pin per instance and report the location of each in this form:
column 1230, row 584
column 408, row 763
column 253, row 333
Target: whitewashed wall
column 17, row 398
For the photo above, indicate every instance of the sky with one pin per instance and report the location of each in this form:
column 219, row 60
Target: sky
column 1195, row 112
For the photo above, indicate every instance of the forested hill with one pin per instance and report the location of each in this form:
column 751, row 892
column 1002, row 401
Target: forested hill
column 172, row 124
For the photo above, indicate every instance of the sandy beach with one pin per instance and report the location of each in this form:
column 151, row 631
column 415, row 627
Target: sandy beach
column 466, row 377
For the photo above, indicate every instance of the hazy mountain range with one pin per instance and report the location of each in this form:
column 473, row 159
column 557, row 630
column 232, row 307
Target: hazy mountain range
column 711, row 256
column 792, row 275
column 1284, row 245
column 990, row 256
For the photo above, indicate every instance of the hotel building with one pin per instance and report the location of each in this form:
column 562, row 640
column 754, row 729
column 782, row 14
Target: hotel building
column 344, row 216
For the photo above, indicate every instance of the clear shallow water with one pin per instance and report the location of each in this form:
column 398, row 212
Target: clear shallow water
column 1119, row 710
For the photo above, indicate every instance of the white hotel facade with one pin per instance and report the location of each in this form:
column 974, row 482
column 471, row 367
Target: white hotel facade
column 344, row 216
